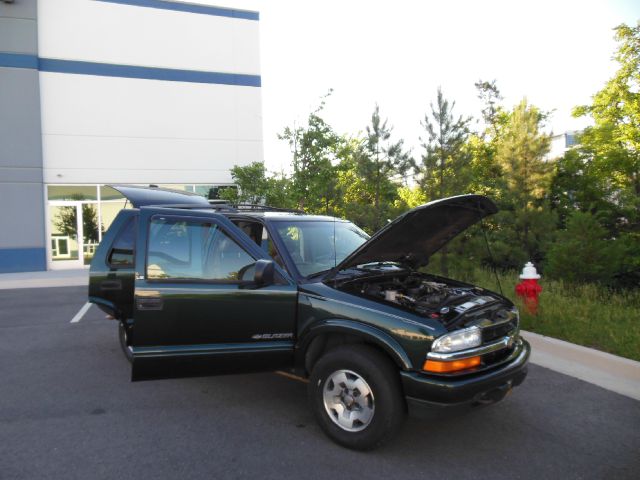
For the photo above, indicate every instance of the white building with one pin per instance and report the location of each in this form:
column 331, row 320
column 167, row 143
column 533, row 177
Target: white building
column 98, row 92
column 561, row 143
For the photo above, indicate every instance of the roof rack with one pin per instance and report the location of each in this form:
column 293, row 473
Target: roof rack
column 264, row 208
column 189, row 206
column 224, row 206
column 251, row 207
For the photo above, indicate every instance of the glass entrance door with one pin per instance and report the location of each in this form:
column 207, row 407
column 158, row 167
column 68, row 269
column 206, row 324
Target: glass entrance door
column 77, row 216
column 66, row 235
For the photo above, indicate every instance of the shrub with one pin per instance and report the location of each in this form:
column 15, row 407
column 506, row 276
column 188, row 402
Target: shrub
column 582, row 253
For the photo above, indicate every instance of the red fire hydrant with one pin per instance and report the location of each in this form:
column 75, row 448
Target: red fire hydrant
column 529, row 289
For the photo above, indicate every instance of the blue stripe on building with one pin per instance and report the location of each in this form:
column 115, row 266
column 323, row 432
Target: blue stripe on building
column 190, row 8
column 17, row 60
column 22, row 260
column 147, row 73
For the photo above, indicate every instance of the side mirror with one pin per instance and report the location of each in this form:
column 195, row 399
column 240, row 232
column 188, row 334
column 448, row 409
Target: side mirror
column 264, row 272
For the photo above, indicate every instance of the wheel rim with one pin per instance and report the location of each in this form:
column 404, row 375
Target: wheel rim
column 125, row 336
column 348, row 400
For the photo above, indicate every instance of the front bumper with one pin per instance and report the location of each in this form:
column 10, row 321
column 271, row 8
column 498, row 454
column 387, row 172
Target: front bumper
column 428, row 391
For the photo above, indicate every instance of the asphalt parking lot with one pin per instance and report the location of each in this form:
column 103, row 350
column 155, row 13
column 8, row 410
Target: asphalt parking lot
column 68, row 410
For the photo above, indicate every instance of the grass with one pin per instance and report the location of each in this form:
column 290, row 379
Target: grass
column 587, row 314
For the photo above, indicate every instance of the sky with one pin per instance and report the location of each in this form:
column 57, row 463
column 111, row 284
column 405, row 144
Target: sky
column 397, row 53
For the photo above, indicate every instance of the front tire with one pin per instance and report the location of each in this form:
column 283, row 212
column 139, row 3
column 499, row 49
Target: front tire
column 355, row 395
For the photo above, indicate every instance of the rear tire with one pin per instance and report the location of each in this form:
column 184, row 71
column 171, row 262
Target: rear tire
column 124, row 345
column 356, row 397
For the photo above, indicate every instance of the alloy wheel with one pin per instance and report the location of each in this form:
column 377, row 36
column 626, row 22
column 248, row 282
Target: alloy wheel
column 348, row 400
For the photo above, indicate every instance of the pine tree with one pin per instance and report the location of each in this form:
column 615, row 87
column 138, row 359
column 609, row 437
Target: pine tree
column 383, row 160
column 520, row 151
column 445, row 160
column 445, row 163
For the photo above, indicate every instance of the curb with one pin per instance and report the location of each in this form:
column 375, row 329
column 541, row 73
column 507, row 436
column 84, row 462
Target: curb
column 59, row 278
column 618, row 374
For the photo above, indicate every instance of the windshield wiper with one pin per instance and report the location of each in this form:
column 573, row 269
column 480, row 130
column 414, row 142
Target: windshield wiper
column 321, row 272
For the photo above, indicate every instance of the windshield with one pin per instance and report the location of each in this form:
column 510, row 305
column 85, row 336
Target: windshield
column 314, row 248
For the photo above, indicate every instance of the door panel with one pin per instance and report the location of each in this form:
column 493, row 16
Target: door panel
column 188, row 314
column 197, row 330
column 112, row 272
column 195, row 314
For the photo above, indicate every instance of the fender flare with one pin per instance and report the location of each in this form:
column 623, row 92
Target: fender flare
column 367, row 332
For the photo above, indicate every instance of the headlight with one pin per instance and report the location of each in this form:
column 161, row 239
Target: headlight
column 458, row 340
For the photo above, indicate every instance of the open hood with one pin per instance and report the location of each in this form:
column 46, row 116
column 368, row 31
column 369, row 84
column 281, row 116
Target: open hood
column 416, row 235
column 143, row 196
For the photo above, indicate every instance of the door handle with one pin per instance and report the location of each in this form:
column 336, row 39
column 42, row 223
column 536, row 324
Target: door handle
column 149, row 303
column 111, row 285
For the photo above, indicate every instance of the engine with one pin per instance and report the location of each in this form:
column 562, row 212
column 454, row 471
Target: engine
column 423, row 295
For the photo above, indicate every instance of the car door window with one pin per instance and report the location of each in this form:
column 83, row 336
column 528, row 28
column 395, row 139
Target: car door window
column 226, row 260
column 182, row 249
column 123, row 248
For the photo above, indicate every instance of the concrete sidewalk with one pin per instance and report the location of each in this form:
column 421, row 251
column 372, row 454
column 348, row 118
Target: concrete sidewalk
column 614, row 373
column 608, row 371
column 52, row 278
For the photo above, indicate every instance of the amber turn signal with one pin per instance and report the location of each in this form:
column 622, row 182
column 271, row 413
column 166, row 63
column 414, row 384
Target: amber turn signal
column 437, row 366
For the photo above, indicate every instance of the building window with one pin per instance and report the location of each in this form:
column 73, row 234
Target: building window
column 80, row 214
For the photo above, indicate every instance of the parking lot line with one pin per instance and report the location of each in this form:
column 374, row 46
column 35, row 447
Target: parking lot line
column 81, row 313
column 291, row 376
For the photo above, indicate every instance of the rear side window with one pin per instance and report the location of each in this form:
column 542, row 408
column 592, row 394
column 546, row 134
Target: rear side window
column 123, row 249
column 195, row 250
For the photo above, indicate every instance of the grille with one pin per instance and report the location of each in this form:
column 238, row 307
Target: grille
column 495, row 357
column 495, row 332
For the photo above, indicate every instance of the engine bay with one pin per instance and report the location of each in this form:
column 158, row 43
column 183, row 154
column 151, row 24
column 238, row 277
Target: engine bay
column 422, row 294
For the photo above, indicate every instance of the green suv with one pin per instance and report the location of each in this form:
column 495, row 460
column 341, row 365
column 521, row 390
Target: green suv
column 201, row 289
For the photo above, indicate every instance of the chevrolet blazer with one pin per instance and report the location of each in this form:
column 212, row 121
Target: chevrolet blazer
column 205, row 289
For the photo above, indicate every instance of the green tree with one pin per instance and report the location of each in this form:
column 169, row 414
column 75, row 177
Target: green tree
column 354, row 193
column 492, row 112
column 381, row 162
column 445, row 163
column 66, row 220
column 583, row 253
column 485, row 177
column 252, row 184
column 611, row 147
column 486, row 173
column 314, row 148
column 520, row 151
column 578, row 185
column 256, row 185
column 409, row 197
